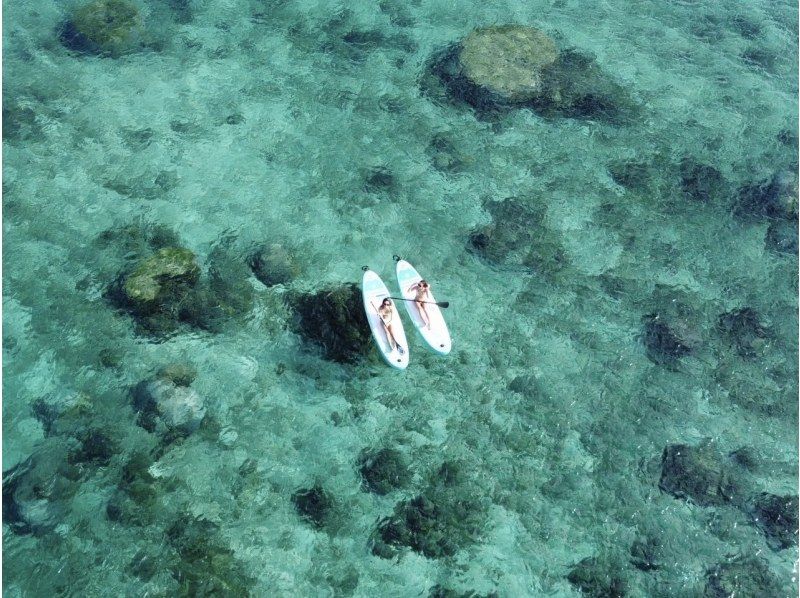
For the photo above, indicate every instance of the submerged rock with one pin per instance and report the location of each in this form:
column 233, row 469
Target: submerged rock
column 517, row 238
column 594, row 579
column 420, row 525
column 777, row 517
column 154, row 290
column 224, row 294
column 743, row 329
column 663, row 346
column 378, row 179
column 165, row 290
column 772, row 199
column 382, row 470
column 134, row 500
column 697, row 473
column 507, row 61
column 102, row 27
column 644, row 553
column 273, row 265
column 782, row 237
column 701, row 182
column 179, row 408
column 742, row 576
column 313, row 504
column 512, row 66
column 36, row 492
column 446, row 517
column 334, row 319
column 206, row 566
column 96, row 448
column 161, row 278
column 445, row 156
column 179, row 374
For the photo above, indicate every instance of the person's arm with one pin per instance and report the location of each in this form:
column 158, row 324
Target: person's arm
column 412, row 287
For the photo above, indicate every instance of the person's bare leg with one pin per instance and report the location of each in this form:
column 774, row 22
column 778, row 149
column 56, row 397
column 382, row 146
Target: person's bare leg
column 389, row 337
column 426, row 319
column 395, row 344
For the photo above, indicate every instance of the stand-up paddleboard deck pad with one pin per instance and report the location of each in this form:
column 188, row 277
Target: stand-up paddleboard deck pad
column 438, row 336
column 374, row 291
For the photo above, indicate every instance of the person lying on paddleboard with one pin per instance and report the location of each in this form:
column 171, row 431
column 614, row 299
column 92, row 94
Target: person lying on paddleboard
column 386, row 312
column 422, row 287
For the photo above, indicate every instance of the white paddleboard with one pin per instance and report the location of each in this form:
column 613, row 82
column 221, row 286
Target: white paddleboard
column 374, row 291
column 437, row 336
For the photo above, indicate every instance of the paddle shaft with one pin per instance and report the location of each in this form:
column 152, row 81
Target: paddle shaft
column 439, row 303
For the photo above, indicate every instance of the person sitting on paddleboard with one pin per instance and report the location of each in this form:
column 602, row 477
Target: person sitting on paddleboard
column 422, row 287
column 386, row 312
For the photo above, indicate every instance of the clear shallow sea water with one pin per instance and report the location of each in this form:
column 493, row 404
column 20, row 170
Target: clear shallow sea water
column 257, row 122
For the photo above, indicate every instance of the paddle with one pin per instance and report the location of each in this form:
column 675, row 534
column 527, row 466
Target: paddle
column 444, row 304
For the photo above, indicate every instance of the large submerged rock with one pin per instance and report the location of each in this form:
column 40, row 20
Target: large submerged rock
column 593, row 578
column 162, row 403
column 697, row 473
column 743, row 329
column 36, row 492
column 777, row 517
column 445, row 518
column 160, row 278
column 507, row 61
column 741, row 576
column 334, row 320
column 511, row 66
column 273, row 265
column 154, row 290
column 516, row 238
column 382, row 470
column 107, row 27
column 165, row 290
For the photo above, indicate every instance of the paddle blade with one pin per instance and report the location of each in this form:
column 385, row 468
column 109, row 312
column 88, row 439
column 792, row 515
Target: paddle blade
column 443, row 303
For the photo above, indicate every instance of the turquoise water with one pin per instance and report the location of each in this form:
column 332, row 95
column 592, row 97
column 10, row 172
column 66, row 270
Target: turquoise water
column 227, row 126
